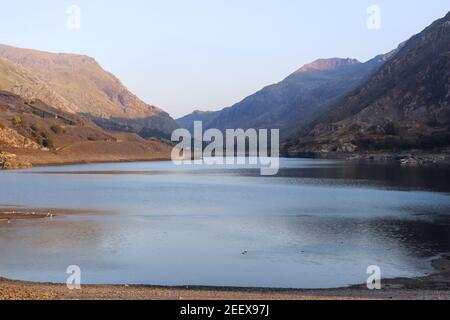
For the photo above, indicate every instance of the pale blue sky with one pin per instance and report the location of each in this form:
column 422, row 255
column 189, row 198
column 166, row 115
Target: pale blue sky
column 208, row 54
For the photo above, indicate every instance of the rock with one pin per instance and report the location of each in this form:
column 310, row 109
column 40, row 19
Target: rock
column 11, row 138
column 409, row 162
column 10, row 161
column 347, row 148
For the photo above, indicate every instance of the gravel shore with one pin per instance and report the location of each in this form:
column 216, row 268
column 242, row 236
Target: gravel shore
column 397, row 289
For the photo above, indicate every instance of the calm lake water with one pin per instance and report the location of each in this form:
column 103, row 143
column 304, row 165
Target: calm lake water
column 317, row 224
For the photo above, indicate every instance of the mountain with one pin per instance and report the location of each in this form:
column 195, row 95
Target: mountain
column 404, row 105
column 21, row 81
column 78, row 84
column 187, row 121
column 296, row 100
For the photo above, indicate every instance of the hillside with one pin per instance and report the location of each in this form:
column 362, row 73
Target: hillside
column 78, row 84
column 405, row 105
column 21, row 81
column 39, row 134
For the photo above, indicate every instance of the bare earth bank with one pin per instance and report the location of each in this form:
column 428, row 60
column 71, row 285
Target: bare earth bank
column 90, row 152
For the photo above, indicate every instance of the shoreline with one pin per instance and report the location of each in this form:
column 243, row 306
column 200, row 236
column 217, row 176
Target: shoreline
column 412, row 158
column 63, row 164
column 432, row 287
column 85, row 153
column 9, row 214
column 405, row 159
column 435, row 286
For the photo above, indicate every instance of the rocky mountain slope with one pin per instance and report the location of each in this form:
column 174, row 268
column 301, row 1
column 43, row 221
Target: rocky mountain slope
column 32, row 132
column 22, row 81
column 295, row 101
column 45, row 126
column 78, row 84
column 404, row 105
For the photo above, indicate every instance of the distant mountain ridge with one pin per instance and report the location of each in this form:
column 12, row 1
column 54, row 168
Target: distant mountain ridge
column 78, row 84
column 295, row 101
column 395, row 101
column 327, row 64
column 187, row 121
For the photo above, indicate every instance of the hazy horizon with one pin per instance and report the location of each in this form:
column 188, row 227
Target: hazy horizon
column 208, row 55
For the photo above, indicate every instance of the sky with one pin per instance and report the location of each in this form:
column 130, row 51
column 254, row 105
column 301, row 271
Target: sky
column 184, row 55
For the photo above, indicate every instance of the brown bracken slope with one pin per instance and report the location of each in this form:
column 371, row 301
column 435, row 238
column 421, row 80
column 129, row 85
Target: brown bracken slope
column 40, row 134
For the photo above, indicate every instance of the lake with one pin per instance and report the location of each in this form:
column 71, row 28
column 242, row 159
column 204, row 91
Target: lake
column 317, row 224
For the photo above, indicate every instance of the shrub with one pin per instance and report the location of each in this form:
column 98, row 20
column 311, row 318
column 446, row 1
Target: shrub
column 45, row 134
column 390, row 129
column 45, row 139
column 17, row 120
column 48, row 143
column 34, row 127
column 57, row 129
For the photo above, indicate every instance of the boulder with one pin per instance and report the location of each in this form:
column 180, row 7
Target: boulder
column 10, row 161
column 347, row 148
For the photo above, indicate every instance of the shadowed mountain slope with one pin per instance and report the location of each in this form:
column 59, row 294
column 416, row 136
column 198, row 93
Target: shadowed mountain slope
column 295, row 101
column 404, row 105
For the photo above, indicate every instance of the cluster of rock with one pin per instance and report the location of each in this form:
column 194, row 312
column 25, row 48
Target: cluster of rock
column 335, row 147
column 11, row 138
column 423, row 160
column 10, row 161
column 405, row 159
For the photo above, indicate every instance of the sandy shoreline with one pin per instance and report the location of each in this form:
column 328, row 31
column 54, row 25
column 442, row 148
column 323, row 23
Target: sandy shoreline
column 9, row 214
column 93, row 152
